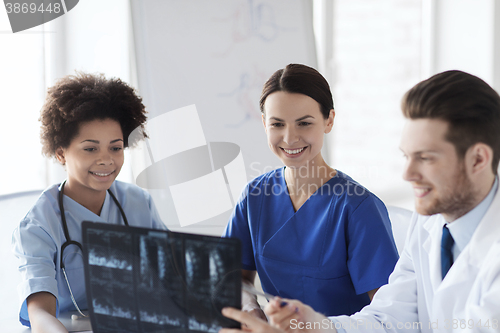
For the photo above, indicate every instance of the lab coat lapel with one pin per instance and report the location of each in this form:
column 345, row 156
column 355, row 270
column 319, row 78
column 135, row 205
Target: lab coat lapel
column 432, row 245
column 464, row 271
column 472, row 256
column 486, row 234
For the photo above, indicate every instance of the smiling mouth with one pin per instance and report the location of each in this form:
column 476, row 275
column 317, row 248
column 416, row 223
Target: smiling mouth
column 99, row 174
column 421, row 192
column 293, row 151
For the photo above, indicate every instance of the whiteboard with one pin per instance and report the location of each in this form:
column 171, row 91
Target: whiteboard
column 217, row 55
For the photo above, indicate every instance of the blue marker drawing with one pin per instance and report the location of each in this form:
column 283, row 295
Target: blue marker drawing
column 248, row 21
column 247, row 96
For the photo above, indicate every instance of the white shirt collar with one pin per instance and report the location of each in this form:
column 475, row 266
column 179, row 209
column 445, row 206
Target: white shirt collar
column 463, row 228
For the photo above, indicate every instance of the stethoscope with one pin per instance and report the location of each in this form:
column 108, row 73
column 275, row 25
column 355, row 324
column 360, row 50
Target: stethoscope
column 72, row 242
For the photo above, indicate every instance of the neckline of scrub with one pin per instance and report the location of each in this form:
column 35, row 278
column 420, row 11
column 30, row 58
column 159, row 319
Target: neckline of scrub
column 338, row 176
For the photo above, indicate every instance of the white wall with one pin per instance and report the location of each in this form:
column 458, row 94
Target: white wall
column 370, row 51
column 93, row 37
column 376, row 58
column 380, row 50
column 464, row 37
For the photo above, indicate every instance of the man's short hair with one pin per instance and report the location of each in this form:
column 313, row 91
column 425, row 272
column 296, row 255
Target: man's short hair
column 467, row 103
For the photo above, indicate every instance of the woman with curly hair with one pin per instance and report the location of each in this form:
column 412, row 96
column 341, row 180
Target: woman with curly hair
column 86, row 122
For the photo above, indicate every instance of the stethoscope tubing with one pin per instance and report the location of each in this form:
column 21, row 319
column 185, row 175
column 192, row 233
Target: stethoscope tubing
column 65, row 225
column 72, row 242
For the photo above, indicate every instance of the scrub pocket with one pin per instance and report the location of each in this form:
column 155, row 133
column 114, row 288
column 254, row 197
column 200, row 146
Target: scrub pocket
column 330, row 296
column 334, row 296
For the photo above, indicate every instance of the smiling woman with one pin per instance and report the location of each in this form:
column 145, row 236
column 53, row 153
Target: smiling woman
column 309, row 230
column 86, row 122
column 93, row 160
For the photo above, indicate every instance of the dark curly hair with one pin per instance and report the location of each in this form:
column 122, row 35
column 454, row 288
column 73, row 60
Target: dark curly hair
column 83, row 97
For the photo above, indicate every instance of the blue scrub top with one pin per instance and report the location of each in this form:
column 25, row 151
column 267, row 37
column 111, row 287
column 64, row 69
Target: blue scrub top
column 38, row 239
column 328, row 254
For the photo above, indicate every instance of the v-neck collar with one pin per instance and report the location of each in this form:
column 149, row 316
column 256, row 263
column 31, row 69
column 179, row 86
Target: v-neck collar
column 105, row 210
column 285, row 192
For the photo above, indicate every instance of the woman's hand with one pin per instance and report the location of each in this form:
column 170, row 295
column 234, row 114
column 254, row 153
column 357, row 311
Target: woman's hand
column 257, row 313
column 249, row 323
column 251, row 306
column 294, row 316
column 248, row 301
column 42, row 312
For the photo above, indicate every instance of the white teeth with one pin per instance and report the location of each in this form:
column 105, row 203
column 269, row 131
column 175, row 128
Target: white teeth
column 101, row 174
column 295, row 151
column 421, row 191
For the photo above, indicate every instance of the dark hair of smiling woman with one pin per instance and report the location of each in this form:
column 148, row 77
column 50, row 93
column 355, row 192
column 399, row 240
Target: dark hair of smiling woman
column 79, row 98
column 300, row 79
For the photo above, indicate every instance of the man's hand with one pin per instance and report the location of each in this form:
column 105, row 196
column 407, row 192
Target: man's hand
column 249, row 323
column 294, row 316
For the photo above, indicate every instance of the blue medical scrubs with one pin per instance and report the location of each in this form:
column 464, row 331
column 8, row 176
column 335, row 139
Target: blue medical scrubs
column 38, row 239
column 328, row 254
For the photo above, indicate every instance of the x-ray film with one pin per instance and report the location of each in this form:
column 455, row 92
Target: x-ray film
column 144, row 280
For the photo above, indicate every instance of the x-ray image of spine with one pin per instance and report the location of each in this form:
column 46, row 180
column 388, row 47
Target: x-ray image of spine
column 197, row 268
column 110, row 249
column 209, row 270
column 197, row 326
column 111, row 261
column 149, row 255
column 160, row 291
column 115, row 301
column 150, row 281
column 198, row 282
column 222, row 273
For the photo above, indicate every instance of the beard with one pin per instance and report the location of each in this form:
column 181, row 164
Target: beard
column 455, row 200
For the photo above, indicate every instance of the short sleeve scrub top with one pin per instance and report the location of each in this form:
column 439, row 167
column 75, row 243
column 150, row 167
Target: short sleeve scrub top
column 38, row 239
column 328, row 254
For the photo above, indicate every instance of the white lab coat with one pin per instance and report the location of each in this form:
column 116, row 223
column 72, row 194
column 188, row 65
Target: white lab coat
column 417, row 300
